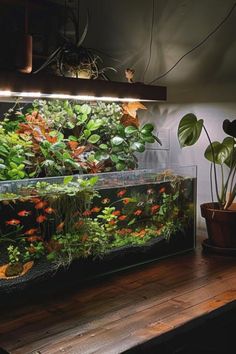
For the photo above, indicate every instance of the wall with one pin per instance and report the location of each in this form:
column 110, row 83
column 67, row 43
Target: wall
column 204, row 81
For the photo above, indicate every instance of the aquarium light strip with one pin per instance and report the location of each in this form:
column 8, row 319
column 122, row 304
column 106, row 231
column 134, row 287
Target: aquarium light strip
column 7, row 93
column 49, row 86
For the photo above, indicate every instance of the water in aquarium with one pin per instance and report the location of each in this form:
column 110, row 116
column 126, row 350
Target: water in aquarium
column 97, row 219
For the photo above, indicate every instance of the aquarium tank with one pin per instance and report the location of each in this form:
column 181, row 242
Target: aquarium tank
column 74, row 202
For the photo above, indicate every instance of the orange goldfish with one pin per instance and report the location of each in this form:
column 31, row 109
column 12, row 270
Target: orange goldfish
column 121, row 193
column 105, row 201
column 126, row 200
column 40, row 205
column 95, row 210
column 122, row 217
column 162, row 190
column 30, row 232
column 41, row 218
column 49, row 210
column 154, row 208
column 87, row 213
column 138, row 212
column 79, row 224
column 35, row 200
column 24, row 213
column 84, row 238
column 60, row 226
column 124, row 231
column 34, row 238
column 116, row 212
column 13, row 222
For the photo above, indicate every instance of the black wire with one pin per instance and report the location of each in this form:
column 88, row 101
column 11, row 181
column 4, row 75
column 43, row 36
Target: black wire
column 151, row 39
column 198, row 45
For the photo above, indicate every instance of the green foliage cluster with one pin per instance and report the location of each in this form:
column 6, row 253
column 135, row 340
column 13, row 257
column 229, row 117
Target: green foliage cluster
column 13, row 254
column 221, row 155
column 61, row 137
column 82, row 225
column 15, row 153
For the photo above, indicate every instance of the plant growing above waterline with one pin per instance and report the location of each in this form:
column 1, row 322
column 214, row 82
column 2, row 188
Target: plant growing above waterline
column 53, row 138
column 220, row 154
column 14, row 267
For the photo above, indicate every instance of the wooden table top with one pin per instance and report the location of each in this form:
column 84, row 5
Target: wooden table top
column 124, row 310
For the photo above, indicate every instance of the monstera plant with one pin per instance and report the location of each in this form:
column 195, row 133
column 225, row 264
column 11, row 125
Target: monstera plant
column 220, row 215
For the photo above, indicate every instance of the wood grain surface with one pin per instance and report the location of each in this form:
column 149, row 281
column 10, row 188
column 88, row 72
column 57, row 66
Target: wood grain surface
column 124, row 310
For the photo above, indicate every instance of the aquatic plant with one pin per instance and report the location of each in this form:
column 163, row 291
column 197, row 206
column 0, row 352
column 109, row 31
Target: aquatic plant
column 14, row 267
column 90, row 239
column 73, row 218
column 34, row 250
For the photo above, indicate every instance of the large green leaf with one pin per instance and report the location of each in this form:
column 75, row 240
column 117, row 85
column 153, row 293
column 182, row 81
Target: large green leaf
column 147, row 128
column 230, row 127
column 137, row 146
column 58, row 146
column 230, row 143
column 94, row 124
column 94, row 138
column 221, row 152
column 148, row 139
column 100, row 155
column 189, row 130
column 103, row 146
column 130, row 130
column 85, row 108
column 114, row 158
column 117, row 140
column 120, row 166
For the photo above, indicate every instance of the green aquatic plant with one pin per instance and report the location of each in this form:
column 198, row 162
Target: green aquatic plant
column 15, row 266
column 69, row 201
column 90, row 240
column 34, row 251
column 13, row 254
column 171, row 228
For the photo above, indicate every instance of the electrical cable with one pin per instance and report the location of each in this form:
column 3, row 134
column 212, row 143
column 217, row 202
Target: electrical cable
column 151, row 40
column 197, row 45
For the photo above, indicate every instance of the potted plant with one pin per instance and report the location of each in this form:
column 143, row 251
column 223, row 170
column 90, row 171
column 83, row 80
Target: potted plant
column 220, row 213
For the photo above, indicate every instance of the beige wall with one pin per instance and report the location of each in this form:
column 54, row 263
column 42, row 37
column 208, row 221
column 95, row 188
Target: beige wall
column 203, row 83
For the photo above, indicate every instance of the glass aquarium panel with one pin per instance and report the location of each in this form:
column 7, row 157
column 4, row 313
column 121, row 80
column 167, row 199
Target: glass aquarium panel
column 81, row 226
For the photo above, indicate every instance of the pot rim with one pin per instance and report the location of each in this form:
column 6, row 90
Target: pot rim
column 209, row 204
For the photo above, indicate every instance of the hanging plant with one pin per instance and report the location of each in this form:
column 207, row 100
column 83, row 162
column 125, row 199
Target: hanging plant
column 72, row 59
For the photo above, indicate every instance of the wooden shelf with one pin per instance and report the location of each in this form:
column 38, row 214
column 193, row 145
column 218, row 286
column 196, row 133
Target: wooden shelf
column 126, row 310
column 49, row 84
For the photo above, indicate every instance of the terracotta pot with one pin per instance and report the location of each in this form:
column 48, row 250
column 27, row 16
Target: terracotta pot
column 221, row 225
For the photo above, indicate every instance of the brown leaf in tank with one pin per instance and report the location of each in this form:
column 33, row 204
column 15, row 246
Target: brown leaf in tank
column 131, row 108
column 26, row 267
column 127, row 120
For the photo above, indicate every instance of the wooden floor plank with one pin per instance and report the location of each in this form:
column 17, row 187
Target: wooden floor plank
column 123, row 310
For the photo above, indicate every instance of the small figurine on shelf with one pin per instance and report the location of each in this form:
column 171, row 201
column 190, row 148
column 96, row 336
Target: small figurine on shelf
column 129, row 74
